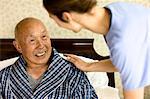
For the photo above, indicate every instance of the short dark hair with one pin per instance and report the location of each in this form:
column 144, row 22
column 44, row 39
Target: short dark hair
column 57, row 7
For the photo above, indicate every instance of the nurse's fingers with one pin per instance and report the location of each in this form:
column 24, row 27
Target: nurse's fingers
column 72, row 58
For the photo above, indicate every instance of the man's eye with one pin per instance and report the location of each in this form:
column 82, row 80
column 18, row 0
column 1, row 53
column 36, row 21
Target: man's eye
column 31, row 40
column 44, row 37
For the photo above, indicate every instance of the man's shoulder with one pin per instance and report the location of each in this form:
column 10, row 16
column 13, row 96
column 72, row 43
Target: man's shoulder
column 4, row 73
column 74, row 69
column 74, row 72
column 6, row 70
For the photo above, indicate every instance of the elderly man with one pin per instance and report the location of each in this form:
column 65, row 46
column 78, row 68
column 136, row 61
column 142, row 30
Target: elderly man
column 40, row 73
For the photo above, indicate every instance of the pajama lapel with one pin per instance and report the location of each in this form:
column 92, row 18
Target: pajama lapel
column 19, row 81
column 54, row 77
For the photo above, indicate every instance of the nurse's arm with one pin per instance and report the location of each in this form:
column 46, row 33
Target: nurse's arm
column 99, row 66
column 134, row 94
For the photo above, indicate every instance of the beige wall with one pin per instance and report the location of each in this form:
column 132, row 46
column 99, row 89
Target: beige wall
column 12, row 11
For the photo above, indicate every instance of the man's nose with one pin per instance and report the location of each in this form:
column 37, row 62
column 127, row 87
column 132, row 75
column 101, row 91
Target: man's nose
column 40, row 44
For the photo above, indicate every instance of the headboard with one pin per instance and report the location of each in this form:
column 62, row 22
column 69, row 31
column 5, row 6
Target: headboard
column 82, row 47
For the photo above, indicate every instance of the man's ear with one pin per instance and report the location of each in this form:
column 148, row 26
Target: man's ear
column 17, row 46
column 66, row 16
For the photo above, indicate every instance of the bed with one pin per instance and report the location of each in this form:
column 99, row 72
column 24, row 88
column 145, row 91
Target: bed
column 81, row 47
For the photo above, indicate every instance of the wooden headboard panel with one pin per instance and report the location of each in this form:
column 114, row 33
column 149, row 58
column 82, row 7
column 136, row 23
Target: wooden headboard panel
column 82, row 47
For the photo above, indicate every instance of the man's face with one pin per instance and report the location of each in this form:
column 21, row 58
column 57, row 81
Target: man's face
column 35, row 44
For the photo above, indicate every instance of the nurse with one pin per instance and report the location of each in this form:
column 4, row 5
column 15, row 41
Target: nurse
column 127, row 30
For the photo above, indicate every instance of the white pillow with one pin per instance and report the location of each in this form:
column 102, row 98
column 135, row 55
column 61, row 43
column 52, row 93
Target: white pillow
column 7, row 62
column 107, row 92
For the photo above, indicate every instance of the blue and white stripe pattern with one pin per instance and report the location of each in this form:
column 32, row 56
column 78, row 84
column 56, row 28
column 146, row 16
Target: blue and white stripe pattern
column 61, row 81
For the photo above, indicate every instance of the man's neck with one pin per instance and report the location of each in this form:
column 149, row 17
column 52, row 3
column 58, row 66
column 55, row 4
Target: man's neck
column 37, row 71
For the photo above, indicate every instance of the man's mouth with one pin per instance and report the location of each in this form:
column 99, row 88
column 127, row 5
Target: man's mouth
column 40, row 54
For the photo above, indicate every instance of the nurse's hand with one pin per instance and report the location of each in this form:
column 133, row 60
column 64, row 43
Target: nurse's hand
column 79, row 63
column 97, row 66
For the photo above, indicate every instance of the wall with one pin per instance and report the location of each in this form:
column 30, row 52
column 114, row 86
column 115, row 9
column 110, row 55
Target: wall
column 12, row 11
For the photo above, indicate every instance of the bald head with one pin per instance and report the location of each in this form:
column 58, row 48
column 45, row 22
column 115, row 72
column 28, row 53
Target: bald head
column 25, row 25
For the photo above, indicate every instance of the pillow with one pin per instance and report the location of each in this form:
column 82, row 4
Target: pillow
column 107, row 92
column 7, row 62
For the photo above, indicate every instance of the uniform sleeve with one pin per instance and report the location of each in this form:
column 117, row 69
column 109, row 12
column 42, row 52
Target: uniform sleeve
column 131, row 68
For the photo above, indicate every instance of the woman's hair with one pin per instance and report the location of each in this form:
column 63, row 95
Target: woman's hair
column 57, row 7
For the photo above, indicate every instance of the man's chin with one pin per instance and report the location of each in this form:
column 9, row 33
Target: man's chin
column 41, row 60
column 41, row 63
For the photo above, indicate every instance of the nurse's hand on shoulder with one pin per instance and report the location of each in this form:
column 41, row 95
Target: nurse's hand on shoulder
column 79, row 63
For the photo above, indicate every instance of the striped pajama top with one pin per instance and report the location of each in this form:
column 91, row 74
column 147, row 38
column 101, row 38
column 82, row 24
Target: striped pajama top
column 62, row 80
